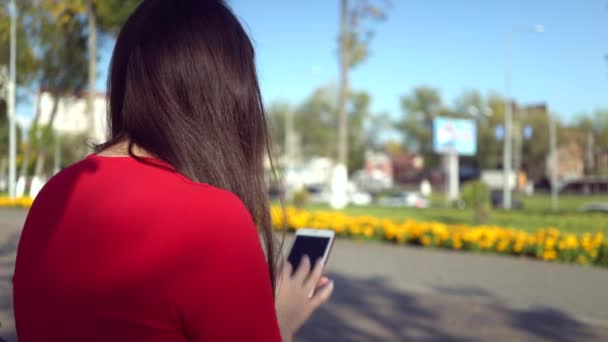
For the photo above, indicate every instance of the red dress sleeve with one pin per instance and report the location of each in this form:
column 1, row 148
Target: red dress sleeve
column 221, row 287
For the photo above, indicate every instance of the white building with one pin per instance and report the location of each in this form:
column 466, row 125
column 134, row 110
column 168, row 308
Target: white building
column 72, row 118
column 377, row 173
column 317, row 171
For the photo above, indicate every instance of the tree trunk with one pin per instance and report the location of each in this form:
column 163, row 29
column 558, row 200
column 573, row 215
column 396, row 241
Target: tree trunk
column 92, row 21
column 344, row 68
column 40, row 161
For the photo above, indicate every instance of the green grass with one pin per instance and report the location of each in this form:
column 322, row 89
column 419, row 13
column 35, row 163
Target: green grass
column 536, row 214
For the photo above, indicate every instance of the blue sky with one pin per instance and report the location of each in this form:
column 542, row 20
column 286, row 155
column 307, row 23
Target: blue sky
column 451, row 45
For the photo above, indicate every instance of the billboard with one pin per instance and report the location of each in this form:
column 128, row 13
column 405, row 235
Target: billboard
column 454, row 135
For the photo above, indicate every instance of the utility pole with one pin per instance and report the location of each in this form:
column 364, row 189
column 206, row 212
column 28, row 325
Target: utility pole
column 508, row 142
column 289, row 151
column 554, row 161
column 339, row 179
column 507, row 156
column 344, row 67
column 12, row 84
column 91, row 96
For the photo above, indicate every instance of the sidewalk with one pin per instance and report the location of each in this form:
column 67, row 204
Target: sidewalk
column 394, row 293
column 391, row 293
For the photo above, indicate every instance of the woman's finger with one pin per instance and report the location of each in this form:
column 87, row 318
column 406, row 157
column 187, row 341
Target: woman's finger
column 287, row 269
column 323, row 281
column 321, row 296
column 303, row 269
column 315, row 275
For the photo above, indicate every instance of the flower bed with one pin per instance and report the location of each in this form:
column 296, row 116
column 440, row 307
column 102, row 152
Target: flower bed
column 546, row 244
column 20, row 202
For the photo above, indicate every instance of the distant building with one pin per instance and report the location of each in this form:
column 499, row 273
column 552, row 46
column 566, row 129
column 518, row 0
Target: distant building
column 407, row 168
column 316, row 171
column 72, row 118
column 377, row 173
column 570, row 163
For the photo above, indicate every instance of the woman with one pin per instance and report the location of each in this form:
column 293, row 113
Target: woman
column 155, row 237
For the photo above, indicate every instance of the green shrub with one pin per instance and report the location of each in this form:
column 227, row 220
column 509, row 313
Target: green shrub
column 476, row 195
column 301, row 198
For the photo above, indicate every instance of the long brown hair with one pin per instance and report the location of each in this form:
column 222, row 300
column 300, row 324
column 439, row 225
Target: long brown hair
column 183, row 86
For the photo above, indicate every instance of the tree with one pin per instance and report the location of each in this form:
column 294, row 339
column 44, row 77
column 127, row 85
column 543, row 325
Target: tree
column 63, row 34
column 357, row 138
column 58, row 54
column 106, row 16
column 489, row 146
column 277, row 115
column 533, row 151
column 536, row 149
column 420, row 108
column 593, row 135
column 27, row 65
column 354, row 41
column 27, row 62
column 315, row 124
column 377, row 125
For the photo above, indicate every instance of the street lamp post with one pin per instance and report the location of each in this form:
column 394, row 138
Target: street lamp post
column 508, row 142
column 12, row 145
column 506, row 156
column 554, row 162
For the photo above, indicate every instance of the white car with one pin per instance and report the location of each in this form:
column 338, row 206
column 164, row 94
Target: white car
column 405, row 199
column 360, row 198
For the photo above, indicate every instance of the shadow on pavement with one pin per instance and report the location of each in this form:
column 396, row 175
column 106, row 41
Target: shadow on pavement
column 368, row 310
column 8, row 338
column 552, row 324
column 541, row 322
column 469, row 292
column 371, row 310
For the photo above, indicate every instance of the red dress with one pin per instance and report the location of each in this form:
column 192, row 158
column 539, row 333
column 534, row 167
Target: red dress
column 117, row 250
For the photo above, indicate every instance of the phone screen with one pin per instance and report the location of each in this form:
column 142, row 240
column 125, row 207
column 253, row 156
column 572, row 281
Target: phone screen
column 312, row 246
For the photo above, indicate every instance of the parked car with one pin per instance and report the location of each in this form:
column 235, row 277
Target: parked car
column 595, row 208
column 318, row 193
column 360, row 198
column 405, row 199
column 585, row 186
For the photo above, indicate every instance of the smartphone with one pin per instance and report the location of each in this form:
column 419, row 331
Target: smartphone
column 314, row 243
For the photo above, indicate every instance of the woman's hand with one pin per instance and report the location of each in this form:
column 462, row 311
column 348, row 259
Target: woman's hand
column 296, row 297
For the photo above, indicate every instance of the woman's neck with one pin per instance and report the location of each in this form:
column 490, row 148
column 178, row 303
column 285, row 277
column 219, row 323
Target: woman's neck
column 122, row 150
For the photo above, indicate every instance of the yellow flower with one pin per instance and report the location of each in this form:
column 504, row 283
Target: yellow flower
column 548, row 243
column 401, row 236
column 518, row 248
column 502, row 246
column 425, row 240
column 549, row 255
column 457, row 244
column 599, row 237
column 581, row 259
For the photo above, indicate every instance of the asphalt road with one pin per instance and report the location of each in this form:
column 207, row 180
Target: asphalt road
column 396, row 293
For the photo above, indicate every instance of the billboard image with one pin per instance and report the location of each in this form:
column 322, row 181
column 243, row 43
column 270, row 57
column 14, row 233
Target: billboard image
column 454, row 135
